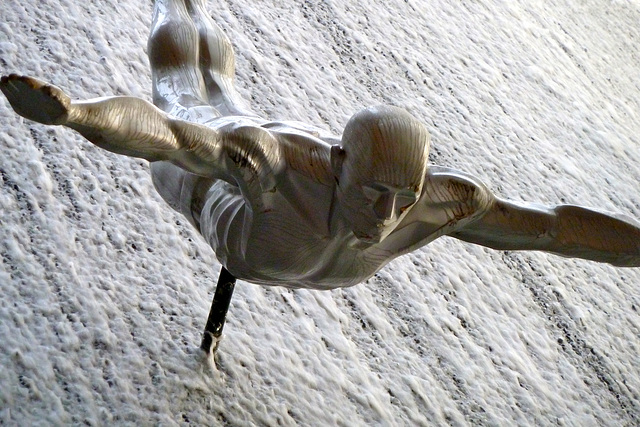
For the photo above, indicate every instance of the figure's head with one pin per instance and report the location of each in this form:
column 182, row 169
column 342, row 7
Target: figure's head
column 380, row 168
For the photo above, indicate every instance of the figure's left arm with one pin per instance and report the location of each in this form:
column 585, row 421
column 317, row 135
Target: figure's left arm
column 566, row 230
column 458, row 205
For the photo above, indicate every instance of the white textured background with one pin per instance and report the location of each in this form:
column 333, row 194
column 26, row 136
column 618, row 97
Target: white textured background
column 104, row 290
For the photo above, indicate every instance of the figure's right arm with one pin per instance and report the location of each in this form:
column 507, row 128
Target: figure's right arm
column 123, row 125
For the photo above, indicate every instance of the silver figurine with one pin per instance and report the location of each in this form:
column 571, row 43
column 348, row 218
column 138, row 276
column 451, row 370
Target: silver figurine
column 285, row 203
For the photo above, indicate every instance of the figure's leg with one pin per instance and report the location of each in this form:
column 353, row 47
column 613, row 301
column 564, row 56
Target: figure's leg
column 193, row 66
column 179, row 89
column 217, row 62
column 178, row 84
column 192, row 63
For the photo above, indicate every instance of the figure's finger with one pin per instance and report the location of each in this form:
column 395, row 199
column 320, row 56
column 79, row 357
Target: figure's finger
column 4, row 87
column 11, row 86
column 6, row 84
column 9, row 81
column 21, row 83
column 22, row 80
column 6, row 79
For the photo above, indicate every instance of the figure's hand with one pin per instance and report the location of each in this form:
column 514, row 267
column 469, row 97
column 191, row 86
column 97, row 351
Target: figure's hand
column 35, row 99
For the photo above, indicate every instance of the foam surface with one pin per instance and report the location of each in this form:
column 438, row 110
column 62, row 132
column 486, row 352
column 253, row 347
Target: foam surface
column 105, row 290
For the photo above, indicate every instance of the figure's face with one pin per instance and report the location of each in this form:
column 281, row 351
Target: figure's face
column 375, row 209
column 380, row 168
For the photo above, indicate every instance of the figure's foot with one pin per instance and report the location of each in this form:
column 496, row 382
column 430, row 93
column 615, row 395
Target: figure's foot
column 35, row 99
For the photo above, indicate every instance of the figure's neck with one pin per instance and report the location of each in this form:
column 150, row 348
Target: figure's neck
column 340, row 227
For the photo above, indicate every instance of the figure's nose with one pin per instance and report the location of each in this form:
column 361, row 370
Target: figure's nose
column 389, row 202
column 385, row 207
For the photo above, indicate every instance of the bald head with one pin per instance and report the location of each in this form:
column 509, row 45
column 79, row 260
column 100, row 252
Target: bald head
column 386, row 144
column 382, row 171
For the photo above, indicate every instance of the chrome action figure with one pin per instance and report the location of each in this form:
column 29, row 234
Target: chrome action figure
column 283, row 203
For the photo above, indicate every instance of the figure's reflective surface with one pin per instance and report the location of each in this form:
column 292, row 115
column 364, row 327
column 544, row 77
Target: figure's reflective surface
column 284, row 203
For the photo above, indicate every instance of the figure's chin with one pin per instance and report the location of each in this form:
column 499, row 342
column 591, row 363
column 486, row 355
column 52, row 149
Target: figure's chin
column 362, row 244
column 375, row 235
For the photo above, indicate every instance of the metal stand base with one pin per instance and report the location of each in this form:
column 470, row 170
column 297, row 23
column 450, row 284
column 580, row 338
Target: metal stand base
column 218, row 312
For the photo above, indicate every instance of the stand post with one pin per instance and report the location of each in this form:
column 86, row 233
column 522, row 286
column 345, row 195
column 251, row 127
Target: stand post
column 218, row 312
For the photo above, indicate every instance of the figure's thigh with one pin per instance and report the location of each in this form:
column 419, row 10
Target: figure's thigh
column 178, row 85
column 192, row 63
column 217, row 63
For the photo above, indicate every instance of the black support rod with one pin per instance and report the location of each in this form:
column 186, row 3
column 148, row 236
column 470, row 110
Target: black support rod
column 218, row 312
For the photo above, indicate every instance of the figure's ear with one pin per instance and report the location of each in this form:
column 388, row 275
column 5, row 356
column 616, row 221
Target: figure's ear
column 337, row 158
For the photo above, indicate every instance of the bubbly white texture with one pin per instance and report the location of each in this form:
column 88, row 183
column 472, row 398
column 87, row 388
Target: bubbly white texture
column 105, row 289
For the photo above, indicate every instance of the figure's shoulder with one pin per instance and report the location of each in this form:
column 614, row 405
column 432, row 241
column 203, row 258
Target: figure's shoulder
column 306, row 149
column 283, row 145
column 454, row 181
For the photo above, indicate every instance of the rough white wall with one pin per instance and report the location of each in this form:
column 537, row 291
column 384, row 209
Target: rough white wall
column 104, row 290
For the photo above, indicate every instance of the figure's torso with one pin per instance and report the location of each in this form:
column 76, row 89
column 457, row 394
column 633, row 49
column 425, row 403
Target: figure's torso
column 283, row 246
column 294, row 234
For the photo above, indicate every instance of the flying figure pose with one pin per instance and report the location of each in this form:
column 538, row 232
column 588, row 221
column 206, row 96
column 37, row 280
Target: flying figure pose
column 285, row 203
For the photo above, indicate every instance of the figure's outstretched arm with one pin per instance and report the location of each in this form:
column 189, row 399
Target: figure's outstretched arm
column 136, row 128
column 566, row 230
column 123, row 125
column 456, row 204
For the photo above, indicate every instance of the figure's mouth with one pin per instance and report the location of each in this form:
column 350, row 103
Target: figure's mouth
column 369, row 239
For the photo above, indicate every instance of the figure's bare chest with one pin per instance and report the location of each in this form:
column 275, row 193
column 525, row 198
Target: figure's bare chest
column 283, row 244
column 292, row 254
